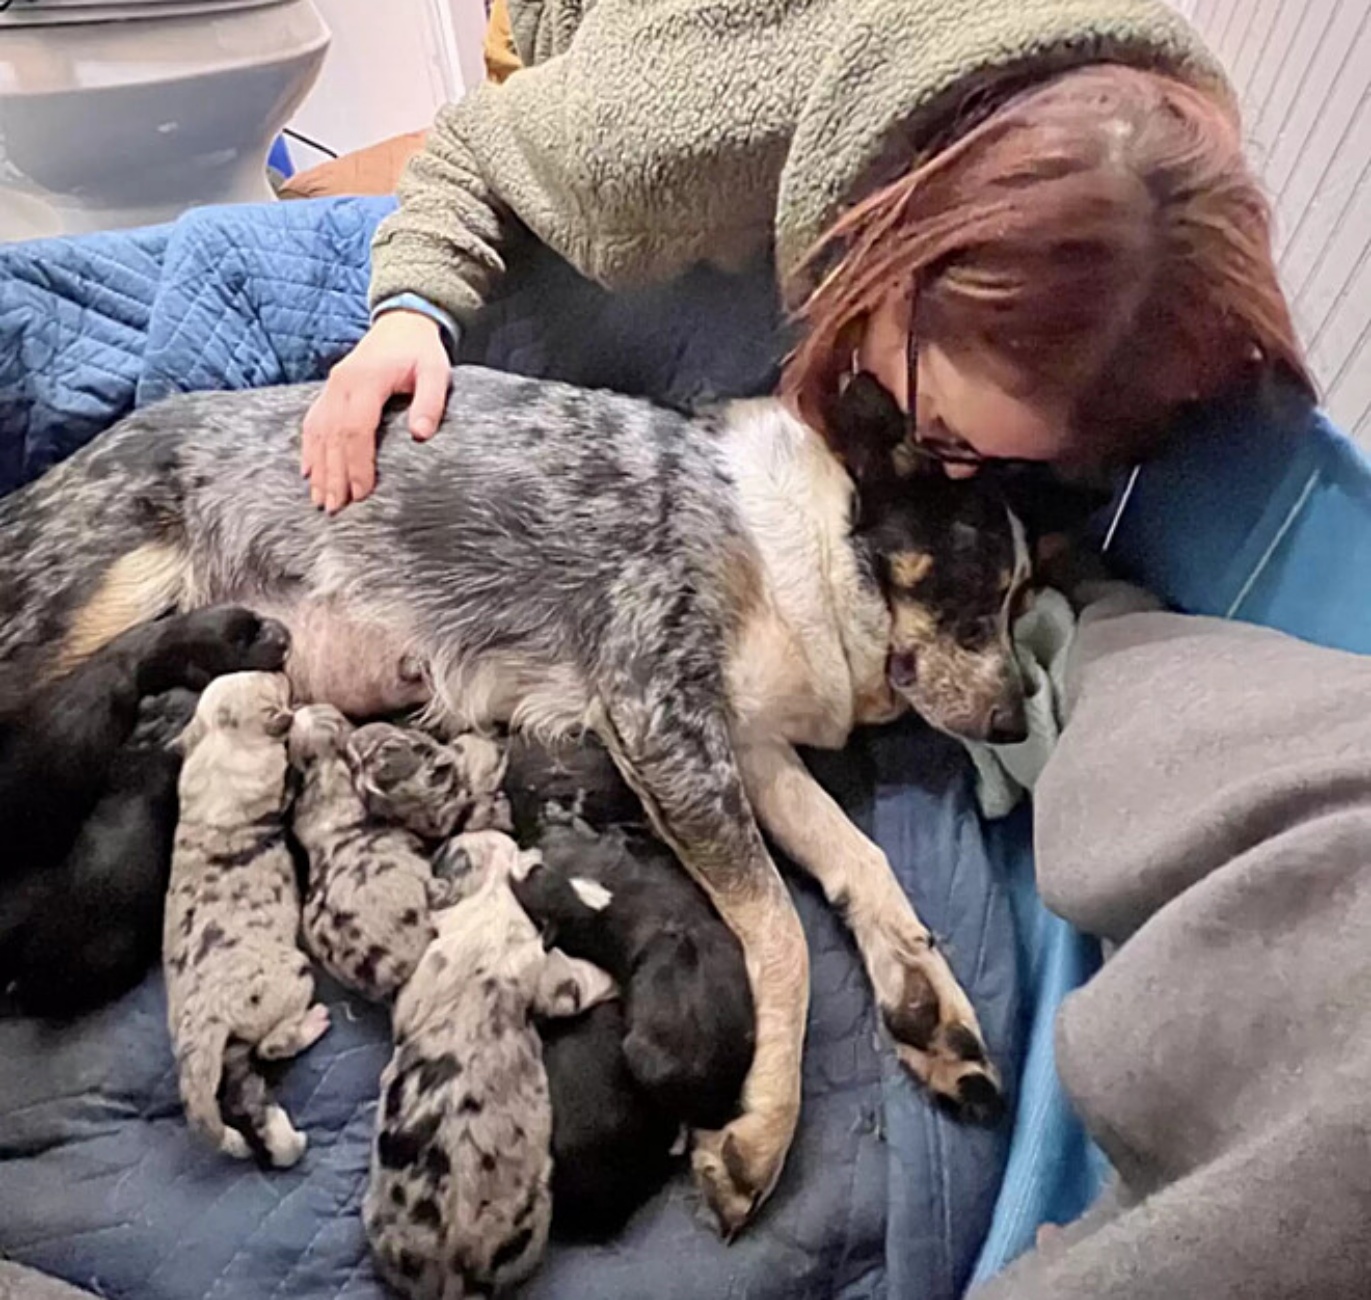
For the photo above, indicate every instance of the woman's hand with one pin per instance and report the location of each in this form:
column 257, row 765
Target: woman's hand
column 402, row 352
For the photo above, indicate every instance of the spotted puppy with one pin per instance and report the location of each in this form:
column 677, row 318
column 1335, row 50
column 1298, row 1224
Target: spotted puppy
column 236, row 982
column 427, row 786
column 366, row 913
column 458, row 1203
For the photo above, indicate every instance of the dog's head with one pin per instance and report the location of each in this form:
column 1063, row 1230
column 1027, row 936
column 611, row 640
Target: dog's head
column 952, row 559
column 248, row 706
column 407, row 777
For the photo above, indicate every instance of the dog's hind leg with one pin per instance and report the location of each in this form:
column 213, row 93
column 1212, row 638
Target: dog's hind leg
column 926, row 1010
column 673, row 748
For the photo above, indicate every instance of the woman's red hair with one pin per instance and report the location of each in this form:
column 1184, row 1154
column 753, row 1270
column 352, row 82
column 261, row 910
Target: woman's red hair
column 1098, row 239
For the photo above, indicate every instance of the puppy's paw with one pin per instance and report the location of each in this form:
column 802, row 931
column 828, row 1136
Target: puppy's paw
column 736, row 1168
column 234, row 1145
column 292, row 1037
column 284, row 1142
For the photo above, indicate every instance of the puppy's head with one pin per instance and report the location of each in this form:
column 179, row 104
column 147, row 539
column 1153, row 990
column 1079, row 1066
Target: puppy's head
column 249, row 707
column 469, row 862
column 407, row 777
column 952, row 559
column 235, row 755
column 317, row 731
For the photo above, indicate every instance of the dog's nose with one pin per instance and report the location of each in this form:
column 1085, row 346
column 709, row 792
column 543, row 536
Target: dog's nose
column 1008, row 724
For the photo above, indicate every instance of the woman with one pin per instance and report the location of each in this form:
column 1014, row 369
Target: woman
column 1033, row 222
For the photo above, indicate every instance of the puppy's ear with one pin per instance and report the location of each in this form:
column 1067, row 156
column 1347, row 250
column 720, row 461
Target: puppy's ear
column 866, row 428
column 192, row 734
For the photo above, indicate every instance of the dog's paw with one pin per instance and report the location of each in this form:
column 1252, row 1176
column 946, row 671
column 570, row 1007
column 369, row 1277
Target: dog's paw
column 735, row 1169
column 940, row 1045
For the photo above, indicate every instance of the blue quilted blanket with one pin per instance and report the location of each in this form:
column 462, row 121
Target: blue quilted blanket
column 882, row 1196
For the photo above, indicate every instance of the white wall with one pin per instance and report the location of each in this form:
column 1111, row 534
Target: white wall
column 392, row 65
column 1303, row 68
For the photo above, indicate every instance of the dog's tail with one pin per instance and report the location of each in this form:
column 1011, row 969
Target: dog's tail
column 88, row 551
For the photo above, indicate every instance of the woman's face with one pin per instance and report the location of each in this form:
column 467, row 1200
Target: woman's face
column 958, row 400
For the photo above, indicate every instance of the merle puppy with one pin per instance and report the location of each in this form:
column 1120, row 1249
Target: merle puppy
column 238, row 987
column 370, row 890
column 87, row 804
column 458, row 1201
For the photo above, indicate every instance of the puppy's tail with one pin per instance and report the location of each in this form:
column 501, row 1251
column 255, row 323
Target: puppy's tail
column 90, row 549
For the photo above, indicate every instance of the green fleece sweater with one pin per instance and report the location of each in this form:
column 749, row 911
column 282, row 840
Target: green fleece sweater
column 644, row 136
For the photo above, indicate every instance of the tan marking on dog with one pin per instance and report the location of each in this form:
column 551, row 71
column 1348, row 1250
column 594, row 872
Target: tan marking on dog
column 912, row 625
column 138, row 586
column 909, row 568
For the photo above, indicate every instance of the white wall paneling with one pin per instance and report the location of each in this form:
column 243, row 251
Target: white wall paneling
column 391, row 66
column 1303, row 69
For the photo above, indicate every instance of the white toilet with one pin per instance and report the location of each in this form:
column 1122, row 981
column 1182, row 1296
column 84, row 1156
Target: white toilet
column 127, row 113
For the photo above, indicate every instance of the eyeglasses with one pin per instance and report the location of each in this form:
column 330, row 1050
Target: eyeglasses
column 946, row 449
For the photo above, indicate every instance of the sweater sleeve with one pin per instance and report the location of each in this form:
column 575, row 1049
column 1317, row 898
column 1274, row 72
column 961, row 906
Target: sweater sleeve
column 649, row 137
column 443, row 242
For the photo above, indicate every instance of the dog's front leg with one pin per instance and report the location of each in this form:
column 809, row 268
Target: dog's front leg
column 678, row 757
column 926, row 1010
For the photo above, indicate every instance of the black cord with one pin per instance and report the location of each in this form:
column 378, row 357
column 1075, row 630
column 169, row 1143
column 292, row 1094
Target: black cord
column 294, row 135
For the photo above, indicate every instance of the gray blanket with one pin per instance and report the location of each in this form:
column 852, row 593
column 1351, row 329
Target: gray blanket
column 1209, row 811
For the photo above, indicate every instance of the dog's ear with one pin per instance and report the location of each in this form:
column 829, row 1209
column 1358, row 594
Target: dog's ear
column 866, row 429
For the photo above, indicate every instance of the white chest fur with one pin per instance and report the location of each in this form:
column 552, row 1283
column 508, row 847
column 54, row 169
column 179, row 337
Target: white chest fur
column 809, row 661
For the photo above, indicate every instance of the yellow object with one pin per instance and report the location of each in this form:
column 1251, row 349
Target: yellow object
column 500, row 54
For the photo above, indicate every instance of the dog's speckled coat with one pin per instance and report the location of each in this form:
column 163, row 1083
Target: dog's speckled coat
column 691, row 589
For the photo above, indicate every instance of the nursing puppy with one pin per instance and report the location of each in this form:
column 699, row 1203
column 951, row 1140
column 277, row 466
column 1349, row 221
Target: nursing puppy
column 86, row 812
column 426, row 785
column 702, row 593
column 458, row 1203
column 236, row 982
column 370, row 890
column 95, row 923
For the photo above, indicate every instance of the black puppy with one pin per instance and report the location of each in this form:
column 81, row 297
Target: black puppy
column 611, row 1145
column 94, row 924
column 619, row 899
column 87, row 804
column 676, row 1048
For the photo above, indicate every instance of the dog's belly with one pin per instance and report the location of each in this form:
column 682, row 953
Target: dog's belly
column 359, row 664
